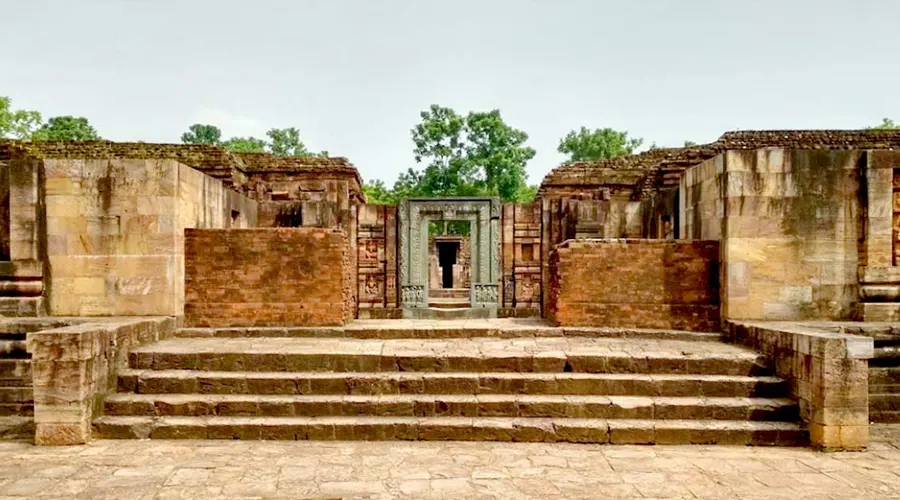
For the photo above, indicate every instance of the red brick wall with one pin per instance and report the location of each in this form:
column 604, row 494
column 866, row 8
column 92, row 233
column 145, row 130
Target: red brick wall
column 268, row 277
column 667, row 284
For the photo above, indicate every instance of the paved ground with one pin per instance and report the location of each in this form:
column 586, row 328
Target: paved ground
column 322, row 470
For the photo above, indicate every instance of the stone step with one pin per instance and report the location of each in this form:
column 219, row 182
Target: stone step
column 16, row 409
column 16, row 395
column 13, row 349
column 448, row 293
column 884, row 388
column 449, row 303
column 15, row 368
column 884, row 402
column 582, row 355
column 321, row 383
column 884, row 417
column 883, row 375
column 427, row 405
column 423, row 329
column 455, row 428
column 888, row 356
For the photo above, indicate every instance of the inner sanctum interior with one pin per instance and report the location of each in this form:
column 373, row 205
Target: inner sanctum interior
column 449, row 264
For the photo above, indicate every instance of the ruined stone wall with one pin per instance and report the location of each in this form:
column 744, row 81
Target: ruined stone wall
column 635, row 284
column 268, row 277
column 4, row 209
column 791, row 234
column 114, row 239
column 701, row 204
column 377, row 261
column 879, row 257
column 521, row 252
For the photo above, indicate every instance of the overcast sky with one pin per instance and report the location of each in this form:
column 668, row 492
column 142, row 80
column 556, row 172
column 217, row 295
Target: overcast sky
column 353, row 75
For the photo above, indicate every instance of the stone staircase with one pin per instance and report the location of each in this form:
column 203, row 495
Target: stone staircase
column 16, row 396
column 884, row 380
column 449, row 298
column 434, row 381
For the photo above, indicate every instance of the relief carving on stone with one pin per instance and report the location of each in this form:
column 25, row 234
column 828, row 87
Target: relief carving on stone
column 485, row 294
column 413, row 295
column 414, row 218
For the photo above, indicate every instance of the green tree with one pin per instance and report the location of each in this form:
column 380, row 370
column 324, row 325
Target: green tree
column 475, row 155
column 597, row 144
column 689, row 144
column 377, row 192
column 286, row 142
column 245, row 145
column 886, row 124
column 66, row 128
column 19, row 123
column 200, row 133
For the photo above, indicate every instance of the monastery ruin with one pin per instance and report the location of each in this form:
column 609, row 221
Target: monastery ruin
column 745, row 291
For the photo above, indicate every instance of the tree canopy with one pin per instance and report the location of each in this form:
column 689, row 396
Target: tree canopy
column 477, row 154
column 282, row 141
column 17, row 123
column 597, row 144
column 29, row 125
column 66, row 128
column 200, row 133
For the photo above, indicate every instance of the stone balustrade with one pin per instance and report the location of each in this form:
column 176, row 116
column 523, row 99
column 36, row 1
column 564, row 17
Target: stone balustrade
column 75, row 366
column 828, row 374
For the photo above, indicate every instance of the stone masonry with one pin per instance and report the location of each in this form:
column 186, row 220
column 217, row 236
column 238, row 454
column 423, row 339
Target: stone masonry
column 635, row 283
column 268, row 277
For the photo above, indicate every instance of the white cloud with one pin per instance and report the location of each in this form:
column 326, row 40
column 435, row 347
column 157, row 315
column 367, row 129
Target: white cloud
column 232, row 125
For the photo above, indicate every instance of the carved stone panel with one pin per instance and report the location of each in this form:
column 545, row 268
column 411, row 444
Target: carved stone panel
column 414, row 216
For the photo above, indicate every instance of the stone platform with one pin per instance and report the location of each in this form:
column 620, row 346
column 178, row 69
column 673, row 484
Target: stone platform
column 488, row 380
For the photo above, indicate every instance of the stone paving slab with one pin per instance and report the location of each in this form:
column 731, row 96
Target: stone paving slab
column 467, row 346
column 289, row 383
column 196, row 470
column 448, row 328
column 540, row 354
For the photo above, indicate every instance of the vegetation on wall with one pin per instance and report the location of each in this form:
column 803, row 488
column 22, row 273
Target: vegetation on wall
column 886, row 124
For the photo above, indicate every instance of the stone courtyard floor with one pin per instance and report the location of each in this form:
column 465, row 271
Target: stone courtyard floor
column 422, row 470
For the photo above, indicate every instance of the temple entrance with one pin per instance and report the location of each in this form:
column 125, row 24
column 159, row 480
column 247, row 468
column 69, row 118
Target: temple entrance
column 449, row 264
column 449, row 255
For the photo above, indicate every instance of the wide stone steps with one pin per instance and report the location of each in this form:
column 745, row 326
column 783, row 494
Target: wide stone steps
column 16, row 395
column 656, row 388
column 430, row 330
column 582, row 355
column 575, row 430
column 430, row 405
column 886, row 356
column 884, row 407
column 15, row 370
column 361, row 383
column 884, row 382
column 13, row 349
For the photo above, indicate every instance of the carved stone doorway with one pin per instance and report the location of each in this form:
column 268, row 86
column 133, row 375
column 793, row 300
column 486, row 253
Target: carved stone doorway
column 483, row 215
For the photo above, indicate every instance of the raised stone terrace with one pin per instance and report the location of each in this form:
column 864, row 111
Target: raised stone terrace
column 493, row 380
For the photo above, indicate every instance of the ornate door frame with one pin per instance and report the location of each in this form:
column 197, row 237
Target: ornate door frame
column 484, row 216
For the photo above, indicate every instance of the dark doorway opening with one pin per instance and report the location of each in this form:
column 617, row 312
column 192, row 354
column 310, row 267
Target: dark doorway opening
column 447, row 252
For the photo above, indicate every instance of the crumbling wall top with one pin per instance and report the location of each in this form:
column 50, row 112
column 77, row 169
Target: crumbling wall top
column 661, row 168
